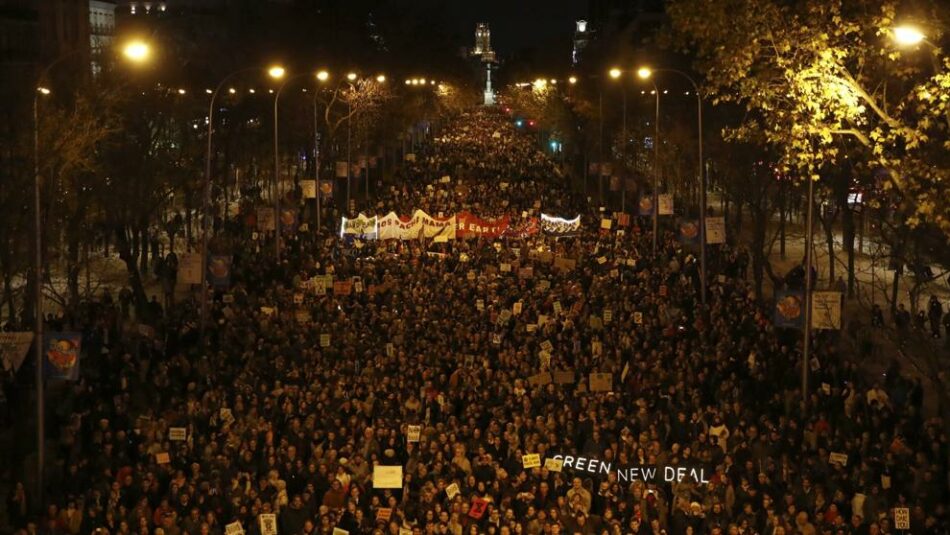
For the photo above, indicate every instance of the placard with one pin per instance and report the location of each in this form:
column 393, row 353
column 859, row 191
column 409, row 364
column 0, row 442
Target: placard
column 901, row 518
column 826, row 310
column 234, row 528
column 564, row 264
column 665, row 202
column 479, row 505
column 338, row 531
column 715, row 229
column 324, row 340
column 554, row 465
column 413, row 432
column 452, row 490
column 383, row 514
column 601, row 382
column 309, row 190
column 540, row 379
column 162, row 458
column 838, row 458
column 387, row 477
column 268, row 522
column 189, row 268
column 563, row 377
column 177, row 434
column 606, row 224
column 531, row 460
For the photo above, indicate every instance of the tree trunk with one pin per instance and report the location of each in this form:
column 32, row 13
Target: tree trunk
column 830, row 241
column 758, row 250
column 123, row 247
column 8, row 296
column 144, row 244
column 847, row 235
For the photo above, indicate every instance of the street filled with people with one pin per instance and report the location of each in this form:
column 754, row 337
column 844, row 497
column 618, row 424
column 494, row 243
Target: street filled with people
column 447, row 361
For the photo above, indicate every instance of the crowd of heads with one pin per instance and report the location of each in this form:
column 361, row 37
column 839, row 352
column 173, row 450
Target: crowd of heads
column 294, row 395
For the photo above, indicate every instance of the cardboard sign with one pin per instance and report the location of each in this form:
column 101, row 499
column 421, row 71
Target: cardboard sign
column 338, row 531
column 413, row 432
column 342, row 288
column 606, row 224
column 532, row 460
column 608, row 315
column 324, row 340
column 826, row 310
column 601, row 382
column 177, row 434
column 544, row 285
column 234, row 528
column 554, row 465
column 540, row 379
column 558, row 308
column 562, row 377
column 268, row 522
column 901, row 518
column 504, row 267
column 452, row 490
column 480, row 305
column 162, row 458
column 387, row 477
column 383, row 514
column 838, row 458
column 516, row 309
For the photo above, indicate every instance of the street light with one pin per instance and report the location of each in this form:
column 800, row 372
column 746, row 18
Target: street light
column 381, row 78
column 351, row 76
column 906, row 35
column 615, row 73
column 702, row 174
column 644, row 73
column 276, row 72
column 572, row 80
column 135, row 52
column 323, row 75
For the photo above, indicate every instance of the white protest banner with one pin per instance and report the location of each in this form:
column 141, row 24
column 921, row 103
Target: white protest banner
column 361, row 226
column 838, row 458
column 665, row 202
column 826, row 310
column 715, row 229
column 554, row 465
column 387, row 477
column 532, row 460
column 452, row 490
column 268, row 523
column 189, row 268
column 309, row 190
column 413, row 432
column 13, row 349
column 901, row 518
column 177, row 434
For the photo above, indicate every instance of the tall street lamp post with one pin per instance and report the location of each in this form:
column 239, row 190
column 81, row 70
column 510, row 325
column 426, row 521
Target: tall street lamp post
column 136, row 52
column 702, row 174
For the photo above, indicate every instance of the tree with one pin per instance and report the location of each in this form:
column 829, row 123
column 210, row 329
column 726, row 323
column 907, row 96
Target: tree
column 815, row 75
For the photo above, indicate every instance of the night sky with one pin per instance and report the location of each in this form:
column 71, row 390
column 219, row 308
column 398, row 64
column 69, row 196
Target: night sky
column 547, row 26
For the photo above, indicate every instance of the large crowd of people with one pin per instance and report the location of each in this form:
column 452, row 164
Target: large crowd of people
column 294, row 394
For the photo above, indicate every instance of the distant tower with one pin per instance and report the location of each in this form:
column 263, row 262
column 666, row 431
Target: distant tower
column 581, row 38
column 487, row 56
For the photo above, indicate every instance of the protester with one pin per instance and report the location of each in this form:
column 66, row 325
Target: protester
column 298, row 394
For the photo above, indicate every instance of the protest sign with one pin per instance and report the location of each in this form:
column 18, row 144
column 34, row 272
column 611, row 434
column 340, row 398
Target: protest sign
column 162, row 458
column 601, row 382
column 452, row 490
column 562, row 377
column 325, row 340
column 901, row 518
column 268, row 523
column 826, row 310
column 338, row 531
column 387, row 477
column 189, row 268
column 413, row 432
column 383, row 514
column 539, row 379
column 715, row 229
column 554, row 465
column 665, row 202
column 177, row 434
column 838, row 458
column 234, row 528
column 532, row 460
column 478, row 508
column 13, row 349
column 61, row 355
